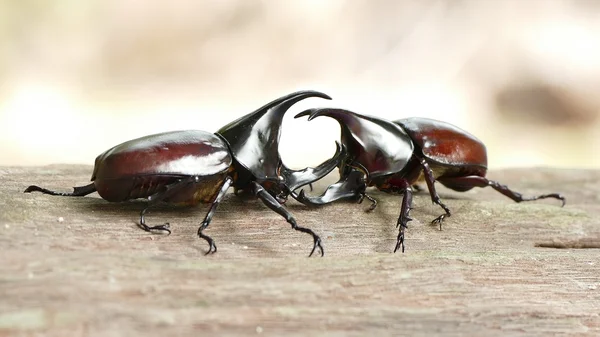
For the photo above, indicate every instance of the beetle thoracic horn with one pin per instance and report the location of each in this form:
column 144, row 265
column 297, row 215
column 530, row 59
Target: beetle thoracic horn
column 289, row 100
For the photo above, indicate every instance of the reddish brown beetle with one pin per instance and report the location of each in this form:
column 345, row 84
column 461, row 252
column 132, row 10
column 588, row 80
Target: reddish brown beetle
column 188, row 167
column 394, row 155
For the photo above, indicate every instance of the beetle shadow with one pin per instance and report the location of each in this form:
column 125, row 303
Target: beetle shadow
column 423, row 212
column 130, row 210
column 228, row 225
column 265, row 224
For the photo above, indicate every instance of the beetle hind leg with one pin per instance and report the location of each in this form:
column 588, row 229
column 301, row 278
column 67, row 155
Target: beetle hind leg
column 272, row 203
column 78, row 191
column 435, row 198
column 169, row 191
column 477, row 181
column 164, row 227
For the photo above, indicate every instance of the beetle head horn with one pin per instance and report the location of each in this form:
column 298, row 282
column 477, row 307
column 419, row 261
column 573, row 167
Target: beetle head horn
column 339, row 114
column 254, row 138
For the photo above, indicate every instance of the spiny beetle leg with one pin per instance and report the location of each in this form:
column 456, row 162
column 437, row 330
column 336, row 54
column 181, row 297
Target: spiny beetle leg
column 477, row 181
column 435, row 198
column 212, row 248
column 404, row 217
column 78, row 191
column 272, row 203
column 371, row 199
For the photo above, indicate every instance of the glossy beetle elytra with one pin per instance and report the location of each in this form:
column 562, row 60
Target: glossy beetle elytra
column 188, row 167
column 392, row 156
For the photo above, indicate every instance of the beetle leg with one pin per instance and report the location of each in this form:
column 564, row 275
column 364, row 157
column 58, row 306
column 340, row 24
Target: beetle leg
column 163, row 227
column 435, row 198
column 404, row 217
column 477, row 181
column 212, row 248
column 154, row 199
column 371, row 199
column 78, row 191
column 272, row 203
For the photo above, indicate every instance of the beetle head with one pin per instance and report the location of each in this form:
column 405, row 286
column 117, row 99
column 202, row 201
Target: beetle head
column 375, row 145
column 254, row 142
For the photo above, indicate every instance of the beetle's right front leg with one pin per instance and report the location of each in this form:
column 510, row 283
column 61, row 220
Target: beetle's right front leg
column 272, row 203
column 373, row 201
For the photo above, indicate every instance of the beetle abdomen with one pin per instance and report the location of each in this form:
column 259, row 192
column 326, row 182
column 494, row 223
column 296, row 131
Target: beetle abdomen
column 135, row 187
column 445, row 143
column 183, row 153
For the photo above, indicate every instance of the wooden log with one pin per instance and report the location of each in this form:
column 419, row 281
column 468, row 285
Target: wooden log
column 82, row 267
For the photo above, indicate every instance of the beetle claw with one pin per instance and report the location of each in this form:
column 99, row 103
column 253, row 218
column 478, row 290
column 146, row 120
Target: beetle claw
column 317, row 243
column 212, row 248
column 371, row 199
column 164, row 227
column 400, row 241
column 439, row 220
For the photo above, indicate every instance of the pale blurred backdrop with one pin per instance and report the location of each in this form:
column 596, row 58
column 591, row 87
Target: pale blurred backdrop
column 77, row 77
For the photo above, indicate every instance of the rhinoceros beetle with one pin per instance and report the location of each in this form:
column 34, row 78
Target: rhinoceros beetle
column 393, row 156
column 189, row 167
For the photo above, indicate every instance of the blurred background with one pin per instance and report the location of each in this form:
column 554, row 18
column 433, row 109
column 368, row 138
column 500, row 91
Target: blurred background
column 77, row 77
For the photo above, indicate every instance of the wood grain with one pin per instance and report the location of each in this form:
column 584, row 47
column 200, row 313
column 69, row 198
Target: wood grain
column 81, row 267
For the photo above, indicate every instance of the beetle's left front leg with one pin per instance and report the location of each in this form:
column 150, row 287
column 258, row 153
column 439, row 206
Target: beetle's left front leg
column 212, row 248
column 435, row 198
column 404, row 216
column 373, row 201
column 272, row 203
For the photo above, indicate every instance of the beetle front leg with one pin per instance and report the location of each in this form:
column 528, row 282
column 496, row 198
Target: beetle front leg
column 272, row 203
column 404, row 217
column 435, row 198
column 212, row 248
column 371, row 199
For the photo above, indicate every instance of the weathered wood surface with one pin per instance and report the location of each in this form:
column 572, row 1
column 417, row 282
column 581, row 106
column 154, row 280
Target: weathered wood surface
column 95, row 273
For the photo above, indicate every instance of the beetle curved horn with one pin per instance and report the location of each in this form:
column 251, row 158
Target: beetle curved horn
column 339, row 114
column 296, row 179
column 350, row 186
column 276, row 108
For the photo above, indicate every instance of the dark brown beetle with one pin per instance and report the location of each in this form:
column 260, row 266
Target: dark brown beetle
column 189, row 167
column 395, row 155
